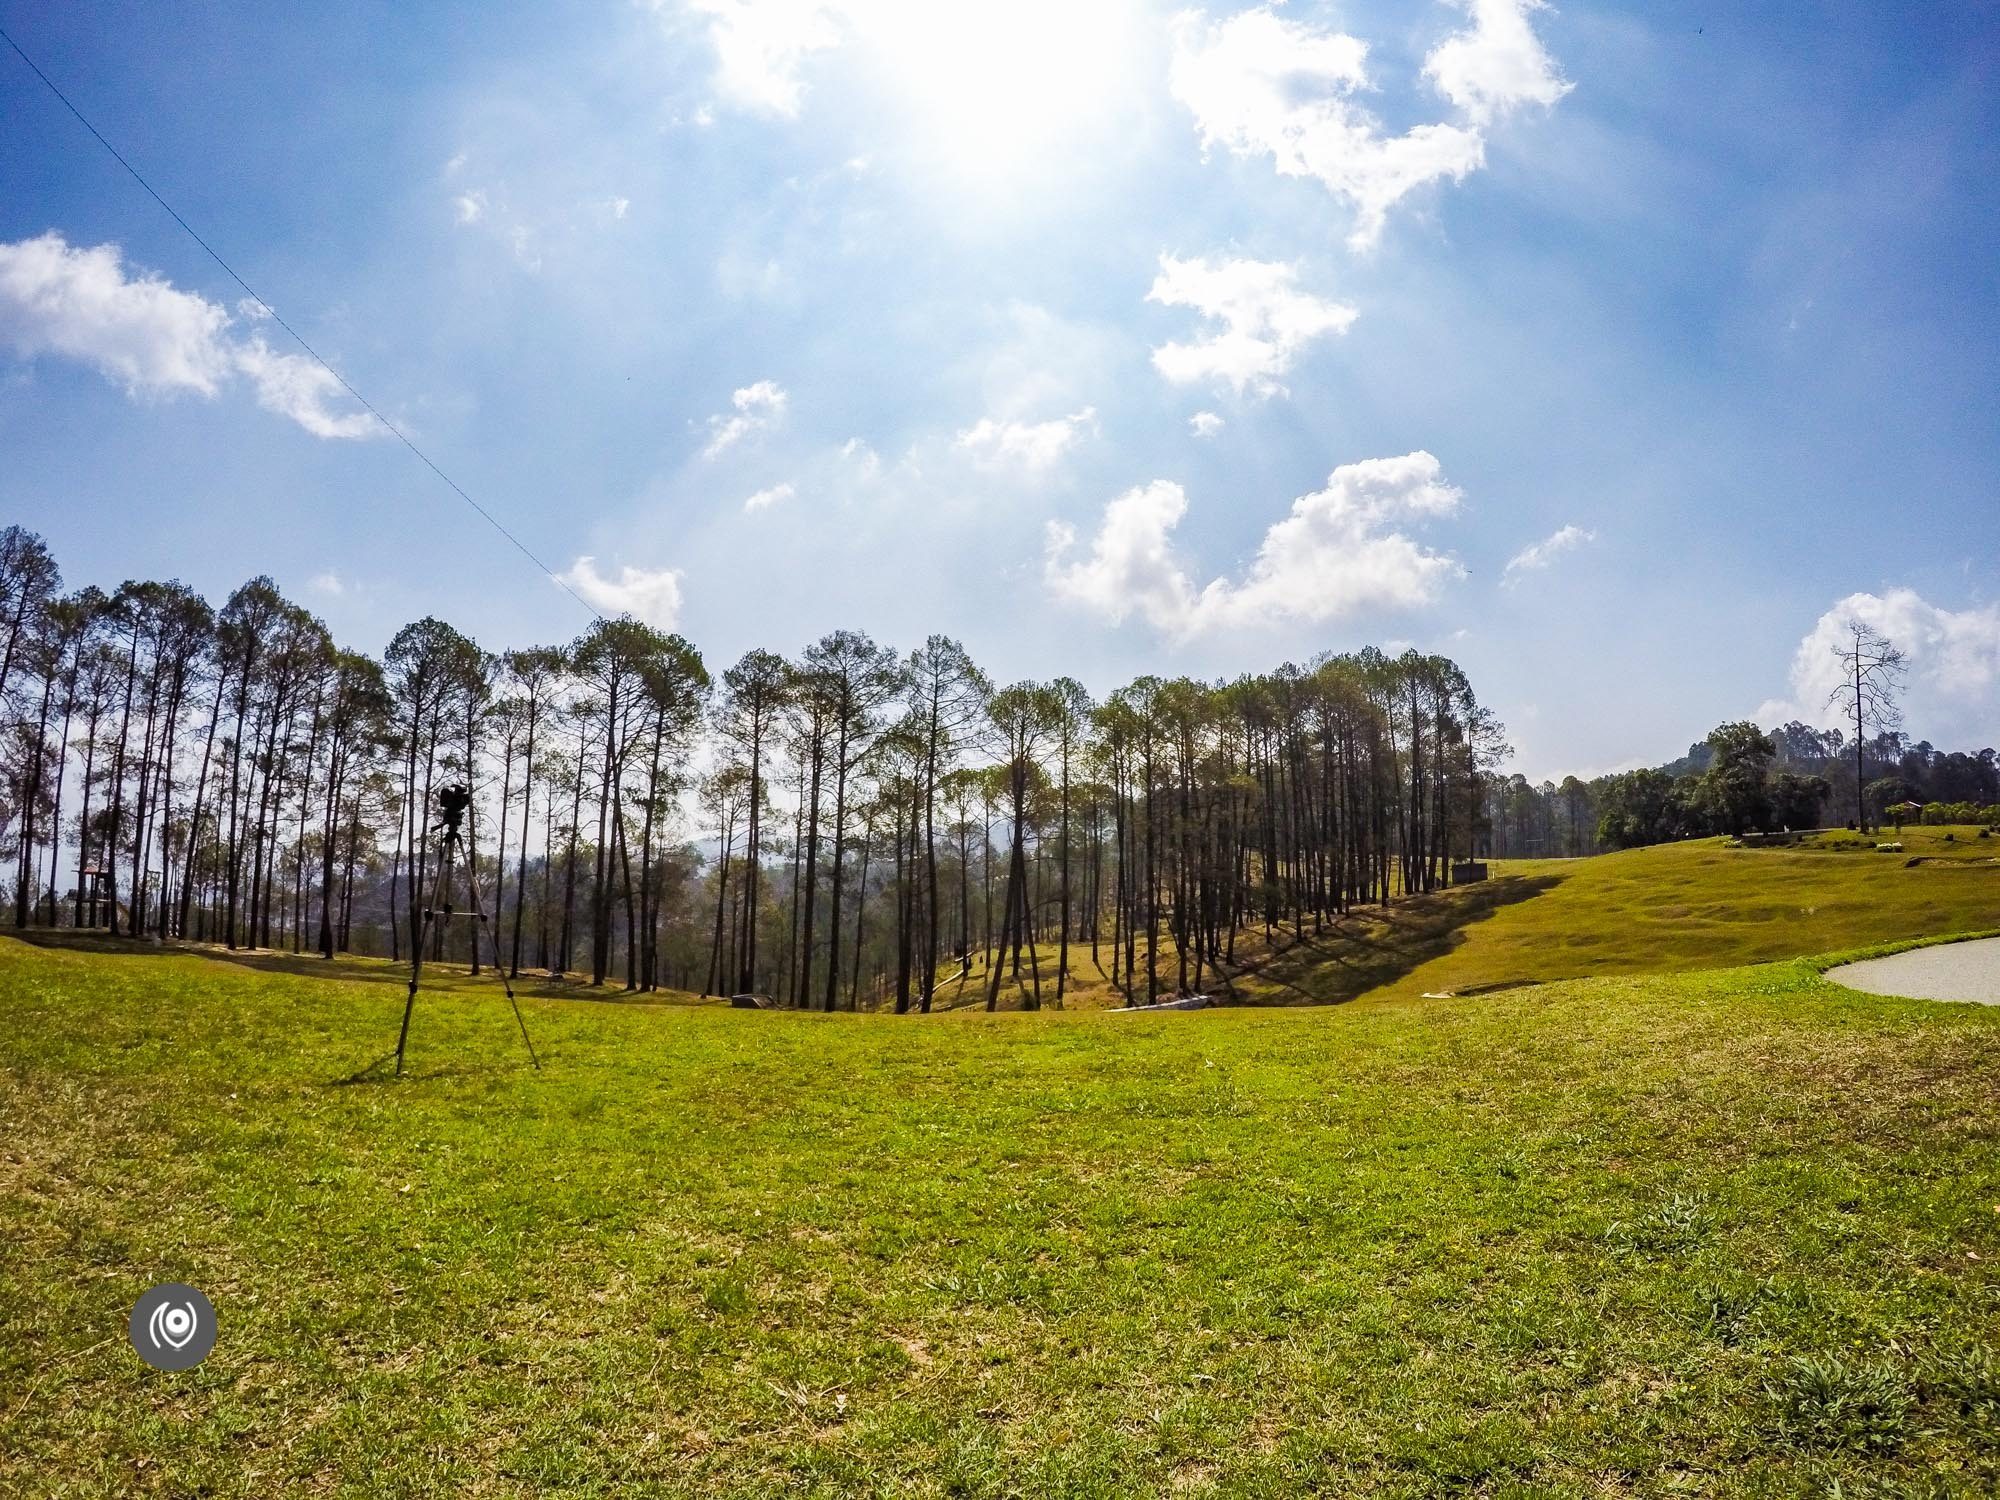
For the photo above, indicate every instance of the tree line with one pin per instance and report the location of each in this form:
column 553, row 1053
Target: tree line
column 850, row 826
column 1741, row 779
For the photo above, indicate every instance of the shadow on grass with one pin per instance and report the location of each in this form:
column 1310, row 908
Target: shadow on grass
column 1372, row 947
column 1343, row 959
column 383, row 1071
column 377, row 1071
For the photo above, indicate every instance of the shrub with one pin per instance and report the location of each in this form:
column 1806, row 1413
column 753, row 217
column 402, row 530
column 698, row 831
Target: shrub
column 1968, row 1379
column 1679, row 1223
column 1937, row 814
column 1727, row 1310
column 1822, row 1402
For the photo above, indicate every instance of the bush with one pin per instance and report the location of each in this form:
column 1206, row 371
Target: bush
column 1937, row 814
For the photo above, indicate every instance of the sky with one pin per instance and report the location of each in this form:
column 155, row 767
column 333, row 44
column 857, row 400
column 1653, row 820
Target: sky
column 1619, row 353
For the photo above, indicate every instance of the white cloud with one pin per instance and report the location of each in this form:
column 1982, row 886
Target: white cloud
column 619, row 207
column 1260, row 84
column 1205, row 424
column 470, row 207
column 151, row 338
column 761, row 46
column 327, row 583
column 1264, row 320
column 139, row 332
column 765, row 499
column 1952, row 691
column 1337, row 552
column 755, row 408
column 863, row 456
column 1035, row 446
column 299, row 387
column 1498, row 64
column 651, row 595
column 1537, row 555
column 1131, row 566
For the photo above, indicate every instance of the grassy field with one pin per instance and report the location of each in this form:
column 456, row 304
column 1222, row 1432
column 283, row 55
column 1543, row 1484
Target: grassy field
column 1723, row 1233
column 1706, row 903
column 1667, row 909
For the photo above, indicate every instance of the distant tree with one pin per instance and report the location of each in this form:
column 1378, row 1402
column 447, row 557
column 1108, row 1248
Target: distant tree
column 1486, row 748
column 1023, row 716
column 948, row 696
column 1734, row 791
column 1872, row 672
column 1884, row 792
column 857, row 677
column 1798, row 801
column 1633, row 809
column 1576, row 808
column 1802, row 745
column 357, row 717
column 755, row 693
column 28, row 580
column 534, row 675
column 632, row 674
column 1071, row 707
column 676, row 684
column 724, row 794
column 58, row 653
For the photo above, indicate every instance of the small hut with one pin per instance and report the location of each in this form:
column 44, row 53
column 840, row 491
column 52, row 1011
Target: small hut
column 1904, row 812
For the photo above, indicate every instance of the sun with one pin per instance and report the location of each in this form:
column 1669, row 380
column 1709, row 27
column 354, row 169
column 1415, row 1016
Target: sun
column 1003, row 90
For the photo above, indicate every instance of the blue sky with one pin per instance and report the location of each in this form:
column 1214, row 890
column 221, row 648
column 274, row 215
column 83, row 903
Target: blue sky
column 1108, row 338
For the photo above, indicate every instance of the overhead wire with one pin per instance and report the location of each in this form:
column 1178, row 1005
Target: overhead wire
column 272, row 313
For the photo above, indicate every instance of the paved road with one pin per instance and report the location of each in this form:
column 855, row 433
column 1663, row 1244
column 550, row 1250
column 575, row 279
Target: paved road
column 1950, row 971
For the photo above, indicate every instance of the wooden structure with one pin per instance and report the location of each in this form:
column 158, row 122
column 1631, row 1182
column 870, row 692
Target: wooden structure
column 94, row 897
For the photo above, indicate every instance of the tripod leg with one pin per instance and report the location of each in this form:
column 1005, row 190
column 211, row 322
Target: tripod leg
column 417, row 966
column 493, row 944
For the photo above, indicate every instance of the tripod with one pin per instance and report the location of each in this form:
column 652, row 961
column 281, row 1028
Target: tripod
column 452, row 802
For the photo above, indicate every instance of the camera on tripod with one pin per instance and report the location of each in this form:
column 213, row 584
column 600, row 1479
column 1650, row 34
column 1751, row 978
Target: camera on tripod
column 452, row 802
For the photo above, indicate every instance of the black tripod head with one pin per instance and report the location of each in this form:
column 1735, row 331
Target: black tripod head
column 452, row 803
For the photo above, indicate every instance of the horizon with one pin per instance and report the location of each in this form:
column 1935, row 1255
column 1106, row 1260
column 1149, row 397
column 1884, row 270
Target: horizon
column 1174, row 369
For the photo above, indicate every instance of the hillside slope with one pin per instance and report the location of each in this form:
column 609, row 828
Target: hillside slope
column 1667, row 909
column 1706, row 904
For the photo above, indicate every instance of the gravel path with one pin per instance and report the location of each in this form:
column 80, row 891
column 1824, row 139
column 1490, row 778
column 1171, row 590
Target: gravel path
column 1950, row 971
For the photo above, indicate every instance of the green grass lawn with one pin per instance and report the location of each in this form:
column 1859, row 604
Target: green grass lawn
column 1704, row 903
column 1720, row 1233
column 1666, row 909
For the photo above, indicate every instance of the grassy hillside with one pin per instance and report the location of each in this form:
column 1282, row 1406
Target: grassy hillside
column 1667, row 909
column 1725, row 1233
column 1707, row 903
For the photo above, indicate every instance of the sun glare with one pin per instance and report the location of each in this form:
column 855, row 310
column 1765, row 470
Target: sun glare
column 1003, row 90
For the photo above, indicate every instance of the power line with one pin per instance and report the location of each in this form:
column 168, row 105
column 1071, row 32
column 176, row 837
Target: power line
column 271, row 312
